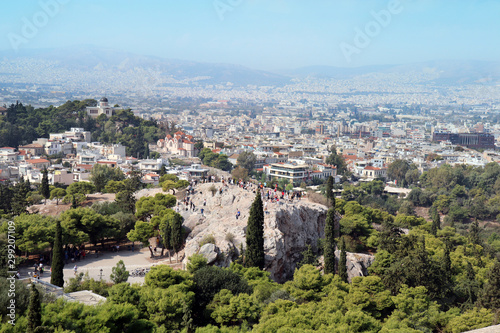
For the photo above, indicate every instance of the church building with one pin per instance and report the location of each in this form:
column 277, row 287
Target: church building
column 179, row 144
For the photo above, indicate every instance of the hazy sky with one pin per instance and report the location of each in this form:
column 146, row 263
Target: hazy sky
column 263, row 34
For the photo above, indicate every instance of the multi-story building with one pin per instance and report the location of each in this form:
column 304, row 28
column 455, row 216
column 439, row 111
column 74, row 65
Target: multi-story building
column 8, row 154
column 151, row 165
column 76, row 134
column 293, row 173
column 470, row 140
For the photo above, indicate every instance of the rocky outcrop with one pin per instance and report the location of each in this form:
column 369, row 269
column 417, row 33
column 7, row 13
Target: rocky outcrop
column 210, row 252
column 357, row 263
column 288, row 229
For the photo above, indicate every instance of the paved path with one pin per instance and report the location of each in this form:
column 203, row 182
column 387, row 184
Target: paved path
column 106, row 261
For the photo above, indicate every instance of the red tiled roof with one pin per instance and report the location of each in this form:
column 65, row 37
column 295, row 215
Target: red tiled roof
column 32, row 145
column 2, row 108
column 371, row 168
column 7, row 148
column 37, row 160
column 84, row 166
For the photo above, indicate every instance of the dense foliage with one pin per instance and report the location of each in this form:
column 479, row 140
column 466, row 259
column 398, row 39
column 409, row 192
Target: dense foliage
column 24, row 124
column 215, row 160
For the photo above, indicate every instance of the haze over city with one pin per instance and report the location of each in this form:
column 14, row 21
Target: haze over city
column 268, row 35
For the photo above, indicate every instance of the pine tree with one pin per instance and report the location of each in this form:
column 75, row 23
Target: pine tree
column 57, row 275
column 119, row 273
column 490, row 297
column 34, row 310
column 329, row 250
column 44, row 187
column 254, row 254
column 343, row 262
column 329, row 192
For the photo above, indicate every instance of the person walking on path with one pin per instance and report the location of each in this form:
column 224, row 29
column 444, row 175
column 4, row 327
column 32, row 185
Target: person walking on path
column 75, row 269
column 238, row 213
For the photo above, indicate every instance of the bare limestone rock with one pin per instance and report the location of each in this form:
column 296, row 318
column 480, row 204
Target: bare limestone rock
column 288, row 228
column 357, row 263
column 210, row 252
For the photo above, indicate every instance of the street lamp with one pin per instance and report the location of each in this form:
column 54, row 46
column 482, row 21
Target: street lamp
column 101, row 274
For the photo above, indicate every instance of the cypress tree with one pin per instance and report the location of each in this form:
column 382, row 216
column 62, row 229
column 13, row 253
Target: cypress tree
column 254, row 254
column 19, row 202
column 44, row 188
column 34, row 310
column 329, row 192
column 436, row 223
column 176, row 235
column 57, row 276
column 470, row 285
column 343, row 262
column 474, row 233
column 329, row 250
column 146, row 150
column 74, row 204
column 490, row 297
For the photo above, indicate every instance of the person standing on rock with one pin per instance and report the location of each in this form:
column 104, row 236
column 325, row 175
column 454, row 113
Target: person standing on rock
column 237, row 213
column 204, row 202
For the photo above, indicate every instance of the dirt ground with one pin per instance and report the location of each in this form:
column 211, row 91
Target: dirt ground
column 52, row 209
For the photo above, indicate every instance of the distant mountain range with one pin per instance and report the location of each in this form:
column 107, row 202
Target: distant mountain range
column 88, row 58
column 438, row 72
column 92, row 59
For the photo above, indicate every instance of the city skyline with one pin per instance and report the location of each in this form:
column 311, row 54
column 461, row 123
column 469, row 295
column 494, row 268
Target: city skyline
column 263, row 35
